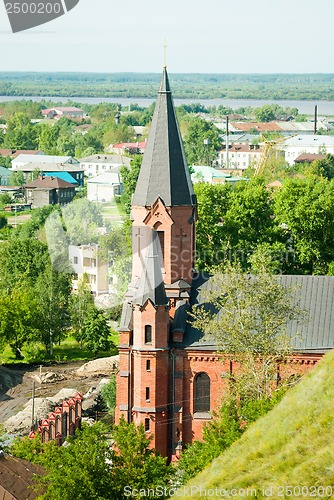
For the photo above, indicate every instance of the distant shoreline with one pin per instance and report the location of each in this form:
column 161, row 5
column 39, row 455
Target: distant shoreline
column 325, row 108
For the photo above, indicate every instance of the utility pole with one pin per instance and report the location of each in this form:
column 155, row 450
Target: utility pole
column 207, row 144
column 33, row 407
column 315, row 118
column 227, row 143
column 50, row 317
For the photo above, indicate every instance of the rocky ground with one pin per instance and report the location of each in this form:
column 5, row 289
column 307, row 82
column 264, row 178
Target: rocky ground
column 52, row 384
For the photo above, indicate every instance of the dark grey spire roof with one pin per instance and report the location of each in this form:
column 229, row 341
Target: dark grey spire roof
column 164, row 172
column 151, row 286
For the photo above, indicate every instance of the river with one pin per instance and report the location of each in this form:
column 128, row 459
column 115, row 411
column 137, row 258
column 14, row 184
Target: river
column 304, row 107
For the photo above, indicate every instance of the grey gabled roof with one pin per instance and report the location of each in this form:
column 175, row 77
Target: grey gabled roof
column 164, row 172
column 314, row 333
column 151, row 285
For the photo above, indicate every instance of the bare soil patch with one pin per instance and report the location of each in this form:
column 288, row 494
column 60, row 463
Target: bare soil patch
column 16, row 383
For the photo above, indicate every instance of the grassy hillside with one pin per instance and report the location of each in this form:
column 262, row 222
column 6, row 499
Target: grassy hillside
column 292, row 446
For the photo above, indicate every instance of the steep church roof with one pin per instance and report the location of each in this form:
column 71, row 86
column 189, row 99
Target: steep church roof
column 151, row 285
column 312, row 334
column 164, row 172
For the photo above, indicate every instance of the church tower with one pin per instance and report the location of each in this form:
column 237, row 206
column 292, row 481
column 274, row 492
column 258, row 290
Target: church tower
column 164, row 199
column 163, row 213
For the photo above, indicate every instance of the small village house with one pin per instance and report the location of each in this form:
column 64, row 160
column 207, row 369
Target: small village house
column 106, row 187
column 47, row 190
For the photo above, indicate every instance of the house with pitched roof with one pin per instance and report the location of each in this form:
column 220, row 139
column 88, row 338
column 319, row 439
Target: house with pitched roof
column 293, row 147
column 128, row 148
column 106, row 187
column 171, row 376
column 48, row 190
column 17, row 478
column 47, row 164
column 63, row 111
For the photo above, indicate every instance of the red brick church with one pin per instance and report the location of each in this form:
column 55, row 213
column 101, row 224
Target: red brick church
column 170, row 378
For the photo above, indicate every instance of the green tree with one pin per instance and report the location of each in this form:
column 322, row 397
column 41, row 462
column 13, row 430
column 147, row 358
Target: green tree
column 17, row 178
column 88, row 144
column 249, row 219
column 323, row 168
column 247, row 320
column 212, row 203
column 47, row 138
column 96, row 331
column 265, row 114
column 81, row 219
column 21, row 262
column 52, row 291
column 115, row 134
column 305, row 209
column 108, row 394
column 20, row 133
column 18, row 319
column 3, row 221
column 268, row 112
column 233, row 221
column 5, row 161
column 5, row 198
column 81, row 470
column 90, row 468
column 201, row 142
column 30, row 449
column 129, row 179
column 134, row 465
column 80, row 303
column 66, row 143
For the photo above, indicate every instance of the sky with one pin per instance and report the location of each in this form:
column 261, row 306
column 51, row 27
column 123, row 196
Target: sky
column 211, row 36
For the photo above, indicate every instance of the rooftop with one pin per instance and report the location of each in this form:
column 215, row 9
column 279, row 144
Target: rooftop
column 107, row 178
column 124, row 145
column 309, row 140
column 48, row 182
column 16, row 477
column 16, row 152
column 49, row 167
column 27, row 158
column 309, row 157
column 111, row 159
column 65, row 176
column 315, row 332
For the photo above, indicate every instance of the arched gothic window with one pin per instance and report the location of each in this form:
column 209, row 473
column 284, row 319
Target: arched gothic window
column 148, row 334
column 161, row 240
column 202, row 393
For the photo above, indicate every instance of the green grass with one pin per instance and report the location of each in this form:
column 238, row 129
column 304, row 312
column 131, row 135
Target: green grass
column 290, row 446
column 69, row 350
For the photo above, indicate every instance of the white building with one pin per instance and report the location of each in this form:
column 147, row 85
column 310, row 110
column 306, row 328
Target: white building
column 240, row 156
column 314, row 144
column 23, row 159
column 85, row 259
column 98, row 164
column 105, row 187
column 69, row 111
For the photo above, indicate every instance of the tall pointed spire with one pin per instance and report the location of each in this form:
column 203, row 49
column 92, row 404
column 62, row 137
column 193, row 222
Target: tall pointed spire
column 164, row 172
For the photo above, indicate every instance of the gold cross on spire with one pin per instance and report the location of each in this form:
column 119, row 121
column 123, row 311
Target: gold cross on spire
column 165, row 53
